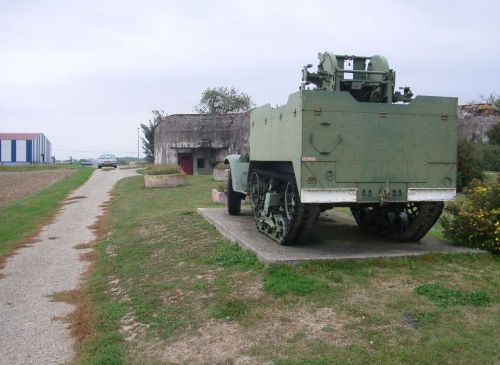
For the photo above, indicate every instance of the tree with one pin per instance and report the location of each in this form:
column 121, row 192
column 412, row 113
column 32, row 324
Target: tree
column 222, row 100
column 468, row 166
column 492, row 99
column 148, row 130
column 494, row 134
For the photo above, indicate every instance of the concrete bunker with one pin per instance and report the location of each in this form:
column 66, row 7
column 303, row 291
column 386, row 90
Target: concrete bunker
column 197, row 142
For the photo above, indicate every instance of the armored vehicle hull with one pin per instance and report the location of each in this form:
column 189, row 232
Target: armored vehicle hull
column 393, row 163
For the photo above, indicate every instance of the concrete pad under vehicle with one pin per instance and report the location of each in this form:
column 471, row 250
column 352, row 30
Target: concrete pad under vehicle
column 335, row 237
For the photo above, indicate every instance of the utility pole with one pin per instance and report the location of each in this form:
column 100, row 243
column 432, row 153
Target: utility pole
column 137, row 142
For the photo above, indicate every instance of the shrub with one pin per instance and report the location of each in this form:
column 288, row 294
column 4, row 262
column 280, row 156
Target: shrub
column 221, row 166
column 166, row 169
column 468, row 167
column 475, row 221
column 489, row 156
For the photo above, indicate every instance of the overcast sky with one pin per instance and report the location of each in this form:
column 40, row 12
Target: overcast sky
column 86, row 73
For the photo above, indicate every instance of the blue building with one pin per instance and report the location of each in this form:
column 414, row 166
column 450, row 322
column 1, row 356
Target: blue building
column 24, row 148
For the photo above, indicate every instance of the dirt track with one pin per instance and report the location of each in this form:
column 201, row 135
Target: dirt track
column 15, row 185
column 30, row 331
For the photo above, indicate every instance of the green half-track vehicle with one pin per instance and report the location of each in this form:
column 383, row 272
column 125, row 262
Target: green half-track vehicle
column 347, row 139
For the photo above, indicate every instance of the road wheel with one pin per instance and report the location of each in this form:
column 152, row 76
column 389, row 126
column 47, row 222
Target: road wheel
column 233, row 198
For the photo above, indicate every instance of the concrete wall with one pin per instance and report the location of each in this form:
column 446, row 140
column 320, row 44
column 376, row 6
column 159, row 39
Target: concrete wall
column 209, row 157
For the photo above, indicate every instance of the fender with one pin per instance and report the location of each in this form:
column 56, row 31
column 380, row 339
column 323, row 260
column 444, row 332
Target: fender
column 239, row 172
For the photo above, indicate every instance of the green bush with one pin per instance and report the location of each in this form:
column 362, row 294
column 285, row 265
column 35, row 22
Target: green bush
column 221, row 166
column 468, row 166
column 489, row 157
column 166, row 169
column 475, row 221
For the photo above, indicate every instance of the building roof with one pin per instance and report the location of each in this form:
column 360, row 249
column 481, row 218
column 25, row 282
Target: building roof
column 20, row 136
column 479, row 109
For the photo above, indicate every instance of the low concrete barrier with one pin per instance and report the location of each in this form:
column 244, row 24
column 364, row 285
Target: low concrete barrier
column 220, row 175
column 219, row 197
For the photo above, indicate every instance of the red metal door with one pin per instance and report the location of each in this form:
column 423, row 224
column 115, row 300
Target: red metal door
column 185, row 161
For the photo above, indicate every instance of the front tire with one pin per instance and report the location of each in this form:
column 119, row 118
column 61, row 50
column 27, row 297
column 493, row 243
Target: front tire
column 233, row 198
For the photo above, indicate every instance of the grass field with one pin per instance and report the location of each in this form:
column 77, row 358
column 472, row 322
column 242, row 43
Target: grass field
column 22, row 218
column 37, row 167
column 167, row 288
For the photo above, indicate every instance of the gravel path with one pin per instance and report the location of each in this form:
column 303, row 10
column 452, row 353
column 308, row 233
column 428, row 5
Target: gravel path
column 15, row 185
column 30, row 332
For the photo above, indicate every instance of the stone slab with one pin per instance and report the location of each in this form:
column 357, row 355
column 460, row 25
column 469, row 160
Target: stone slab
column 336, row 237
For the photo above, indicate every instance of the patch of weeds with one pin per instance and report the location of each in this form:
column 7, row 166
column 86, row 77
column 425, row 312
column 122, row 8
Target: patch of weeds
column 327, row 328
column 348, row 265
column 281, row 280
column 445, row 297
column 230, row 310
column 299, row 336
column 319, row 361
column 410, row 320
column 229, row 254
column 472, row 256
column 425, row 318
column 355, row 270
column 168, row 323
column 284, row 319
column 185, row 212
column 199, row 286
column 335, row 277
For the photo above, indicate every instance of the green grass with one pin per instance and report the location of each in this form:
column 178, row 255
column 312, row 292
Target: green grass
column 231, row 255
column 164, row 266
column 280, row 280
column 229, row 310
column 445, row 297
column 22, row 218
